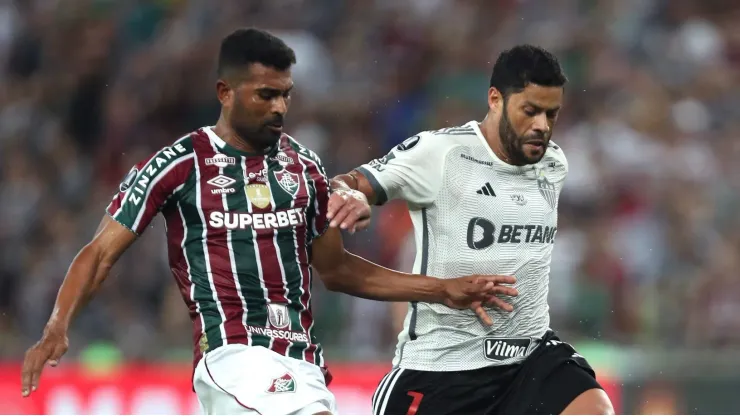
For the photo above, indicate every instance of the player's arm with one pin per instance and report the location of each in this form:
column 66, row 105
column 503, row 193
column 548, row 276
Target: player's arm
column 88, row 270
column 84, row 276
column 141, row 195
column 345, row 272
column 412, row 171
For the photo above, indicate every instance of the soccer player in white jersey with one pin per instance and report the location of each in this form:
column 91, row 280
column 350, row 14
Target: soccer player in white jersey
column 483, row 198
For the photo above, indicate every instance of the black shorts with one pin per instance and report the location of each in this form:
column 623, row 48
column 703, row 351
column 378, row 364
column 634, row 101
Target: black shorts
column 545, row 383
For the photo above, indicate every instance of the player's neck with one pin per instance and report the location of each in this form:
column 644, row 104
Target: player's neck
column 489, row 129
column 227, row 134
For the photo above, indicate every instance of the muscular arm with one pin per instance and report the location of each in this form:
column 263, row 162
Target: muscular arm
column 345, row 272
column 88, row 271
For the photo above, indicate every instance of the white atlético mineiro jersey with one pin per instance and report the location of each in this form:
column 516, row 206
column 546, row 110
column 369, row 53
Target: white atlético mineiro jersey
column 473, row 214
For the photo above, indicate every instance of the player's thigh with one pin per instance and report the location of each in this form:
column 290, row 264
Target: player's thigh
column 214, row 401
column 411, row 392
column 398, row 393
column 590, row 402
column 239, row 379
column 568, row 384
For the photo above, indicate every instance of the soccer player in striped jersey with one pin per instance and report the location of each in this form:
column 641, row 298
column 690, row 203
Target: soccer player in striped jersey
column 483, row 198
column 245, row 208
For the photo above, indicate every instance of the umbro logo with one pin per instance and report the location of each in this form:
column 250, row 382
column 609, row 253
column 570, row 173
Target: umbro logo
column 487, row 190
column 221, row 182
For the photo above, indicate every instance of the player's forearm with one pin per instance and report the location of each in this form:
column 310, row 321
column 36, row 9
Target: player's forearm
column 87, row 271
column 356, row 276
column 354, row 181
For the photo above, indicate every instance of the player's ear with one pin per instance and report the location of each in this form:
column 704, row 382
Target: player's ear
column 495, row 99
column 224, row 92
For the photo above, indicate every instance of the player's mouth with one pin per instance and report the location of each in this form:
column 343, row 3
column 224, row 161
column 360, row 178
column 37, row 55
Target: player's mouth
column 275, row 127
column 535, row 145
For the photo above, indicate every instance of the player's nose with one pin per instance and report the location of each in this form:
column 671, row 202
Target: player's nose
column 541, row 124
column 280, row 105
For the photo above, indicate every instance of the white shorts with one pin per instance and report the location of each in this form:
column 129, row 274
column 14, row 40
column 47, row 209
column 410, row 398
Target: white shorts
column 238, row 379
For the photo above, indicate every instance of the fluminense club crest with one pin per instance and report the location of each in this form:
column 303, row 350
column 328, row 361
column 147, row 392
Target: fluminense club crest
column 283, row 384
column 288, row 181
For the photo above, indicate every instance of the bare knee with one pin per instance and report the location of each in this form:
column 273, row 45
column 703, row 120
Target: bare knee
column 590, row 402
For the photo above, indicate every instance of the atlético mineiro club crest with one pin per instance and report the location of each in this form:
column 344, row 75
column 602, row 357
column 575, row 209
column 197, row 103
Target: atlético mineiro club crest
column 288, row 181
column 284, row 384
column 547, row 188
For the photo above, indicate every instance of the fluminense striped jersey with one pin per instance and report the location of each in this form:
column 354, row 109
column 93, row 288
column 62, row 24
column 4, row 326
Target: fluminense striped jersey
column 473, row 214
column 239, row 229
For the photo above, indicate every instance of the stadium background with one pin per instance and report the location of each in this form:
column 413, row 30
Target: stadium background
column 645, row 274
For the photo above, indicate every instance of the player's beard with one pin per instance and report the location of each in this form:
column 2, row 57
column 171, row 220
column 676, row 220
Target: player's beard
column 257, row 134
column 513, row 144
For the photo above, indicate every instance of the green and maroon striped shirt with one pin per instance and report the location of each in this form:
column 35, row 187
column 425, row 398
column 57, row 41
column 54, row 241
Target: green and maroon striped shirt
column 239, row 231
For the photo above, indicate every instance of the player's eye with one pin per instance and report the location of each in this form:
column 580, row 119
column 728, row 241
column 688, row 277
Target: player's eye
column 552, row 114
column 531, row 112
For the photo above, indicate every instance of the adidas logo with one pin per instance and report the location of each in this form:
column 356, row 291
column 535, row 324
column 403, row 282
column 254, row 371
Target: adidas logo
column 486, row 190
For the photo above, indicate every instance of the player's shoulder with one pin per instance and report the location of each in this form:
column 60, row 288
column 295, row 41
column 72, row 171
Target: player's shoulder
column 184, row 144
column 302, row 151
column 555, row 156
column 455, row 135
column 440, row 140
column 174, row 153
column 307, row 157
column 167, row 167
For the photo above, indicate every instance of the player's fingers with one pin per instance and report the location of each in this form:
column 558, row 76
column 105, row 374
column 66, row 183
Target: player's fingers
column 26, row 377
column 499, row 280
column 59, row 351
column 32, row 367
column 340, row 215
column 510, row 280
column 351, row 218
column 504, row 290
column 336, row 201
column 483, row 315
column 493, row 301
column 36, row 375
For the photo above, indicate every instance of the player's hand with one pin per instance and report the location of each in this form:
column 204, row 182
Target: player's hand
column 48, row 350
column 475, row 291
column 349, row 210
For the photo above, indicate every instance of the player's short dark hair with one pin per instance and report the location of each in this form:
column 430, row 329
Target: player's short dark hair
column 244, row 47
column 523, row 65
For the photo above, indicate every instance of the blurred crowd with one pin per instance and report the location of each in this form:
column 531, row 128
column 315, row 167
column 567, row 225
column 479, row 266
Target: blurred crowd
column 649, row 236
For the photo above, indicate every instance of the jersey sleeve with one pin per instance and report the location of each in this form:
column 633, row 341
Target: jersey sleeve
column 558, row 162
column 149, row 185
column 318, row 222
column 412, row 171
